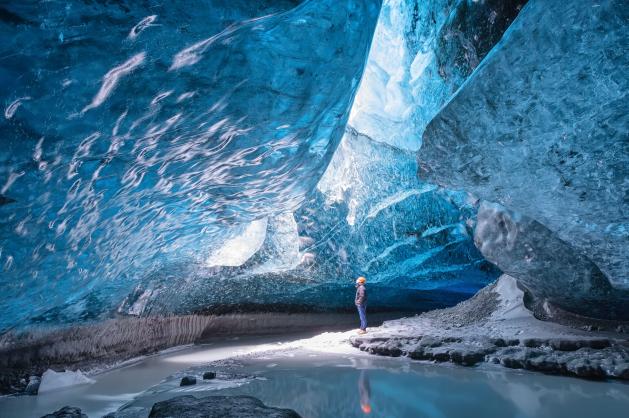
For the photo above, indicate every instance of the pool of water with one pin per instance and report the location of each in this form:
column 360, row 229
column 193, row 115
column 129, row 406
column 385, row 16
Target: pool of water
column 325, row 385
column 341, row 382
column 118, row 386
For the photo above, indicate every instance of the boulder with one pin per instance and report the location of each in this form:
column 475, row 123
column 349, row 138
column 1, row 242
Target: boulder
column 66, row 412
column 217, row 407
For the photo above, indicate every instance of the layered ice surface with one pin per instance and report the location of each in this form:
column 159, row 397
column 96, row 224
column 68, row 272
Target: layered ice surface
column 372, row 217
column 541, row 127
column 422, row 52
column 137, row 134
column 177, row 158
column 170, row 158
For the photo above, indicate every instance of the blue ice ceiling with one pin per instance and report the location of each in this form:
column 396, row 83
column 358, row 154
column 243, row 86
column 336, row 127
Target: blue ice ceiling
column 176, row 158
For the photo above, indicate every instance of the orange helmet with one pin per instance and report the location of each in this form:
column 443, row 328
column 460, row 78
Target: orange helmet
column 361, row 280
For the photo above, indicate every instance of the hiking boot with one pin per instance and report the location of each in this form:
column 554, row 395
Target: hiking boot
column 362, row 331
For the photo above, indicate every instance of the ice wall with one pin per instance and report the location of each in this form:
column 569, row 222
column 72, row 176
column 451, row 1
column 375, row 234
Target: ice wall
column 138, row 134
column 412, row 240
column 549, row 268
column 421, row 53
column 541, row 128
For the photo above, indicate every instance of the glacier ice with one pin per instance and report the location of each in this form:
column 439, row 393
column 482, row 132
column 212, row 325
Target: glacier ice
column 135, row 135
column 373, row 217
column 421, row 54
column 237, row 155
column 188, row 195
column 545, row 265
column 241, row 246
column 541, row 128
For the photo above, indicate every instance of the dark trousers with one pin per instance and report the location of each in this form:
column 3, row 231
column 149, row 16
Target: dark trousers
column 362, row 313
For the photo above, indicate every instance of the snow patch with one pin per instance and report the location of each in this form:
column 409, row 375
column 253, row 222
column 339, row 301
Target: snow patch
column 52, row 380
column 511, row 300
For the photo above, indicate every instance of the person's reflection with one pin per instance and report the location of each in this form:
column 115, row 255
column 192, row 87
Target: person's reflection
column 365, row 392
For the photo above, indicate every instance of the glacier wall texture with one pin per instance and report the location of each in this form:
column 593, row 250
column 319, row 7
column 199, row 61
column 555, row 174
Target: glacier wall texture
column 541, row 128
column 177, row 171
column 254, row 156
column 136, row 134
column 412, row 240
column 421, row 53
column 549, row 268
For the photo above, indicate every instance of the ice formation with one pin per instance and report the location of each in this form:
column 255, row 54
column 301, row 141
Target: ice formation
column 52, row 380
column 138, row 136
column 421, row 54
column 234, row 155
column 541, row 128
column 545, row 264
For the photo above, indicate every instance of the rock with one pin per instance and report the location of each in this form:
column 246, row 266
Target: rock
column 67, row 412
column 209, row 375
column 533, row 342
column 621, row 371
column 132, row 412
column 492, row 340
column 582, row 367
column 33, row 385
column 502, row 342
column 546, row 364
column 217, row 407
column 188, row 381
column 599, row 344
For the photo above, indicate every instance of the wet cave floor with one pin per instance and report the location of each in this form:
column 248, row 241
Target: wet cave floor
column 323, row 376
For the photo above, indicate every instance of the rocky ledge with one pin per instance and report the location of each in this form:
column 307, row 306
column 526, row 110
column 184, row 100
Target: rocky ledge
column 217, row 407
column 190, row 407
column 495, row 327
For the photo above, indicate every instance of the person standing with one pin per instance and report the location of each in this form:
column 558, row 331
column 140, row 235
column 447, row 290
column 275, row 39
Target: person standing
column 361, row 303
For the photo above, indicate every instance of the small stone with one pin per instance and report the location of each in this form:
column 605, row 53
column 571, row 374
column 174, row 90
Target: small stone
column 586, row 369
column 533, row 342
column 499, row 342
column 599, row 344
column 188, row 381
column 66, row 412
column 621, row 371
column 429, row 341
column 566, row 345
column 132, row 412
column 209, row 375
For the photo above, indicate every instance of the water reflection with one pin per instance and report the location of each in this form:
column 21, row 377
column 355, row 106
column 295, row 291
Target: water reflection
column 365, row 392
column 325, row 386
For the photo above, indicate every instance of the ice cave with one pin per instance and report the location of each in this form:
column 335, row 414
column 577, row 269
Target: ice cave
column 314, row 208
